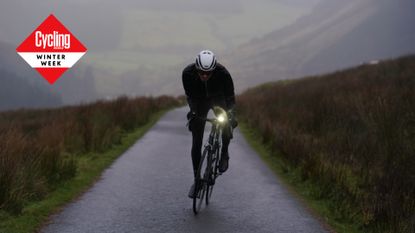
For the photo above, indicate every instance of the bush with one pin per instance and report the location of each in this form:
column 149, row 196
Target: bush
column 352, row 132
column 39, row 148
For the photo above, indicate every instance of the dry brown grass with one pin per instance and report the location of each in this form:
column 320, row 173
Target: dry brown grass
column 38, row 148
column 352, row 132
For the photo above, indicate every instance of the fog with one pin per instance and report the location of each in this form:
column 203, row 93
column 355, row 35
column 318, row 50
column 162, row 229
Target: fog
column 140, row 47
column 128, row 39
column 123, row 30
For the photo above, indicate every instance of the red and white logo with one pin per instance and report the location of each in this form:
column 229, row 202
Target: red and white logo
column 51, row 49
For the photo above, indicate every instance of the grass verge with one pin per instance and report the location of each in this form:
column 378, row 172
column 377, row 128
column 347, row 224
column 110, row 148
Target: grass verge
column 305, row 191
column 90, row 167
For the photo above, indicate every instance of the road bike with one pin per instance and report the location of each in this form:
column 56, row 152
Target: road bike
column 209, row 161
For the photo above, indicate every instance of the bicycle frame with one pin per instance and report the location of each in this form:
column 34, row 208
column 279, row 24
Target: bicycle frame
column 208, row 167
column 215, row 136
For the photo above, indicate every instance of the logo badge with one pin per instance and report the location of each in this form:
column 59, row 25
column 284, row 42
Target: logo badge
column 51, row 49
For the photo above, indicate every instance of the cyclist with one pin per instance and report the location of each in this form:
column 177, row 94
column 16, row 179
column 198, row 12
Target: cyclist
column 207, row 83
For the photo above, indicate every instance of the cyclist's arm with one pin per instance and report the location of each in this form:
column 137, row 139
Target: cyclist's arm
column 229, row 90
column 230, row 98
column 186, row 79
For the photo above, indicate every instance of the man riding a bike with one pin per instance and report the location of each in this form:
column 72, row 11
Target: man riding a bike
column 207, row 83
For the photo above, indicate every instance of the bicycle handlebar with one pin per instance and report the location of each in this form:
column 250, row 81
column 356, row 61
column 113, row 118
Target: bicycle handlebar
column 211, row 120
column 218, row 111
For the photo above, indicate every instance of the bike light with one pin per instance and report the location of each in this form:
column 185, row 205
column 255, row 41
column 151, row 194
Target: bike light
column 221, row 118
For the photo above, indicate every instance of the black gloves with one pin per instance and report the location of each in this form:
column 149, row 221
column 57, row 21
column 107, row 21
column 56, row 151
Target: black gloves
column 190, row 115
column 232, row 118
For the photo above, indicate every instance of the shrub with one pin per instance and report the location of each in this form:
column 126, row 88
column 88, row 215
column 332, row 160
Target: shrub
column 352, row 132
column 39, row 148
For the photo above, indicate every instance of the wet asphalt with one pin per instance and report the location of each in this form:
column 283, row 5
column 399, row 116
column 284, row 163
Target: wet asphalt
column 145, row 190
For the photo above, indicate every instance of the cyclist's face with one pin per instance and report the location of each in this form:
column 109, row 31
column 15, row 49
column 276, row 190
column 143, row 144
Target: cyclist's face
column 204, row 75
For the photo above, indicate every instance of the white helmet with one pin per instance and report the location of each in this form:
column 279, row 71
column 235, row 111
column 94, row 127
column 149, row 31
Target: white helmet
column 206, row 61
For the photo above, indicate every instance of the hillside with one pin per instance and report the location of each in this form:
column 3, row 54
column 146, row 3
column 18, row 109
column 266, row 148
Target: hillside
column 337, row 34
column 351, row 134
column 16, row 92
column 22, row 87
column 19, row 85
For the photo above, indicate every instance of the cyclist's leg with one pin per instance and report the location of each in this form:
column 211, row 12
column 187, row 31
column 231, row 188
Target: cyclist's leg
column 198, row 128
column 224, row 158
column 226, row 138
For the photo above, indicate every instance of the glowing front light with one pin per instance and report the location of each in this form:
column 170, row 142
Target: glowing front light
column 221, row 118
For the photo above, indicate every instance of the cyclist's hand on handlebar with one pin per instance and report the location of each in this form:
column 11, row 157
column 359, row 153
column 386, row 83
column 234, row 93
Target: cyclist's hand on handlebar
column 232, row 118
column 231, row 113
column 190, row 115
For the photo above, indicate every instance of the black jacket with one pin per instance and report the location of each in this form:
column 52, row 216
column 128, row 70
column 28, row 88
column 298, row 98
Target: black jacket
column 218, row 89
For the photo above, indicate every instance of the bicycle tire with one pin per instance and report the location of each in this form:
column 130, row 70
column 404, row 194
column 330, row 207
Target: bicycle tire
column 209, row 186
column 212, row 175
column 200, row 185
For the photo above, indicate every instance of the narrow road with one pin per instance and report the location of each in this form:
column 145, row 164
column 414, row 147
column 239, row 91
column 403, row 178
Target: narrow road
column 145, row 190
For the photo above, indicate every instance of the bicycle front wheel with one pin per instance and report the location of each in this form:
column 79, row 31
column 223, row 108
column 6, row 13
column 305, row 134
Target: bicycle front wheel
column 213, row 173
column 200, row 184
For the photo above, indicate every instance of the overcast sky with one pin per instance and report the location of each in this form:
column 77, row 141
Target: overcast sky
column 145, row 31
column 134, row 41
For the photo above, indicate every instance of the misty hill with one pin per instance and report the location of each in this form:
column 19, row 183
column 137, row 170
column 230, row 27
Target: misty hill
column 21, row 86
column 335, row 35
column 16, row 92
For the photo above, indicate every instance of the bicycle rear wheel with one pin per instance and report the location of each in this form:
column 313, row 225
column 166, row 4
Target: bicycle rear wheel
column 200, row 184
